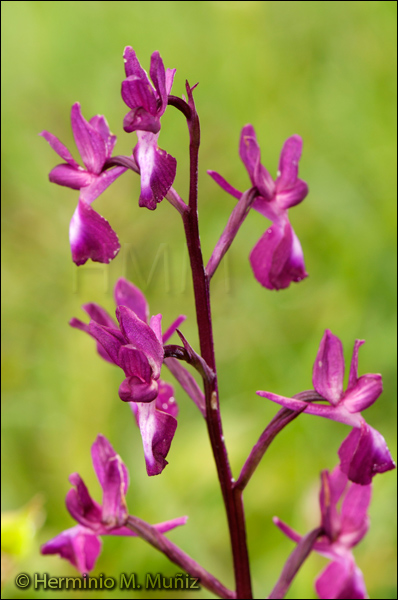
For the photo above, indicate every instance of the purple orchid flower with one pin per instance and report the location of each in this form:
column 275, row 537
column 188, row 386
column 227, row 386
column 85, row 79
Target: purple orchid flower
column 148, row 103
column 137, row 348
column 81, row 545
column 343, row 528
column 277, row 258
column 90, row 234
column 364, row 452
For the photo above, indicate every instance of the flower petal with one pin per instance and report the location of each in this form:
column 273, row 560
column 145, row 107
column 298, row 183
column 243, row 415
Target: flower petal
column 138, row 93
column 81, row 506
column 91, row 236
column 169, row 79
column 328, row 371
column 100, row 316
column 157, row 169
column 366, row 391
column 292, row 196
column 89, row 142
column 158, row 76
column 114, row 480
column 134, row 363
column 110, row 339
column 342, row 580
column 60, row 149
column 71, row 177
column 133, row 389
column 363, row 454
column 166, row 401
column 127, row 294
column 100, row 124
column 249, row 150
column 227, row 187
column 132, row 65
column 141, row 337
column 79, row 545
column 157, row 431
column 139, row 119
column 288, row 163
column 250, row 154
column 353, row 376
column 335, row 413
column 354, row 517
column 277, row 258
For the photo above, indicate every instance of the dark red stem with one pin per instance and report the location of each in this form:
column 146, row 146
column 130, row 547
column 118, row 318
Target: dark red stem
column 201, row 284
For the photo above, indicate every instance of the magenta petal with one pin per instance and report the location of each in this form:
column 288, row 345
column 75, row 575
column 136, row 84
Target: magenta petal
column 89, row 142
column 158, row 76
column 103, row 453
column 227, row 187
column 169, row 79
column 134, row 363
column 109, row 338
column 80, row 546
column 341, row 580
column 328, row 503
column 127, row 294
column 139, row 93
column 132, row 65
column 353, row 376
column 249, row 150
column 81, row 506
column 363, row 454
column 157, row 431
column 335, row 413
column 293, row 196
column 288, row 531
column 133, row 389
column 366, row 391
column 100, row 124
column 328, row 371
column 114, row 480
column 99, row 314
column 157, row 169
column 60, row 149
column 91, row 236
column 141, row 337
column 288, row 163
column 165, row 400
column 72, row 177
column 277, row 258
column 139, row 119
column 354, row 517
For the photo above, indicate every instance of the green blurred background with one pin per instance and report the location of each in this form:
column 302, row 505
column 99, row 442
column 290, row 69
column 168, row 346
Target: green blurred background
column 324, row 70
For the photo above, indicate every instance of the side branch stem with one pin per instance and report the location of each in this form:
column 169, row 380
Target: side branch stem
column 177, row 556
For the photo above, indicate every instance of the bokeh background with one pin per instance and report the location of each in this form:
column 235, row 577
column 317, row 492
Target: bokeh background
column 324, row 70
